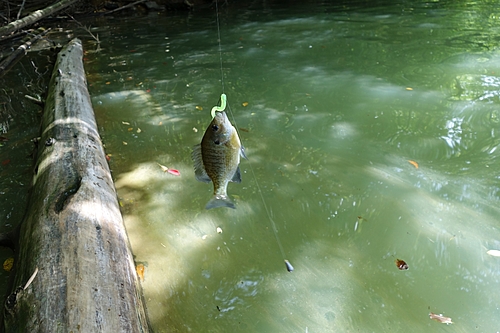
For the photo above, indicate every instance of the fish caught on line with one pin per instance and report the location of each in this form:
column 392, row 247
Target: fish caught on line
column 217, row 159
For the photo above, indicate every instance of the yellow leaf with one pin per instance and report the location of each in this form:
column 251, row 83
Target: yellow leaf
column 163, row 168
column 415, row 164
column 200, row 108
column 244, row 103
column 8, row 264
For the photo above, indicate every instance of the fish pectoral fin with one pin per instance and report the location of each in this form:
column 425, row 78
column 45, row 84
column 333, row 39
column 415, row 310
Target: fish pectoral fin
column 242, row 153
column 199, row 169
column 237, row 176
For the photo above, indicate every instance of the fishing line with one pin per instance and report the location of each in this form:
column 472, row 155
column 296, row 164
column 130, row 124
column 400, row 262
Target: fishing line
column 224, row 103
column 220, row 46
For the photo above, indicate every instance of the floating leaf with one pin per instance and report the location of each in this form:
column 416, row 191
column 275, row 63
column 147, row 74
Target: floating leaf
column 401, row 264
column 494, row 253
column 140, row 271
column 199, row 108
column 244, row 103
column 415, row 164
column 108, row 157
column 440, row 318
column 8, row 264
column 195, row 130
column 125, row 123
column 138, row 130
column 124, row 143
column 130, row 129
column 409, row 89
column 174, row 172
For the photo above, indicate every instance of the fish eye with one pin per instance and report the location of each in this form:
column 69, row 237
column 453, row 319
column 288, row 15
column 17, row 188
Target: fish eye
column 215, row 127
column 217, row 142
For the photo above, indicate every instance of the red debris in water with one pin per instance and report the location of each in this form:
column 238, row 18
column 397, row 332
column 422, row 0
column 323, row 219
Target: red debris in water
column 108, row 158
column 174, row 172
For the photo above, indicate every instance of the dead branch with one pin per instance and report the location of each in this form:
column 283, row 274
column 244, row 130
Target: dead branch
column 34, row 17
column 21, row 51
column 124, row 7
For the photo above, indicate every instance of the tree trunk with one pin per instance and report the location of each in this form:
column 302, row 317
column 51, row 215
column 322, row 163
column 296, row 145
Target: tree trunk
column 73, row 233
column 35, row 16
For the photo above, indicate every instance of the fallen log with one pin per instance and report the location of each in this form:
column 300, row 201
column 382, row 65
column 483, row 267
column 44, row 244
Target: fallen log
column 73, row 247
column 35, row 16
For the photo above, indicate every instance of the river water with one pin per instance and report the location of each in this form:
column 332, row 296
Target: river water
column 371, row 133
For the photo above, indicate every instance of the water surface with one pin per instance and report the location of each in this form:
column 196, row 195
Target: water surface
column 332, row 103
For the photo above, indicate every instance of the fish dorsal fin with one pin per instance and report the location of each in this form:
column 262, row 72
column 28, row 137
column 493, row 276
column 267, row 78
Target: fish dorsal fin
column 237, row 176
column 199, row 169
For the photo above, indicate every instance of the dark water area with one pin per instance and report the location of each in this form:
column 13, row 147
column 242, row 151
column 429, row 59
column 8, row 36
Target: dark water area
column 371, row 130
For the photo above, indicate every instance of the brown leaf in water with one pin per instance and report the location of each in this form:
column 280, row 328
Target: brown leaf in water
column 415, row 164
column 440, row 318
column 401, row 264
column 140, row 271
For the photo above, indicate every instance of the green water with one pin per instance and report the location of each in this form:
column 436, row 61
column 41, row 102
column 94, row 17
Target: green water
column 340, row 99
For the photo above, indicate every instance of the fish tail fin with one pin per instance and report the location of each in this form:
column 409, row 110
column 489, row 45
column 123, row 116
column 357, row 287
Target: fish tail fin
column 220, row 201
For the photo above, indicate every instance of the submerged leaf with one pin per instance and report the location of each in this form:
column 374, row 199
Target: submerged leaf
column 140, row 271
column 440, row 318
column 163, row 168
column 8, row 264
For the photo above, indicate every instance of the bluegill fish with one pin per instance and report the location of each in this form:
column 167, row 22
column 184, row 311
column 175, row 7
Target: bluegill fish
column 217, row 159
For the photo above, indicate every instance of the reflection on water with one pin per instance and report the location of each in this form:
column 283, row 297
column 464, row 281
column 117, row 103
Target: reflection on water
column 332, row 105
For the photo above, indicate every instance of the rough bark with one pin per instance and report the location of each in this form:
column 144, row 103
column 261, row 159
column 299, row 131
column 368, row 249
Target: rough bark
column 73, row 233
column 35, row 16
